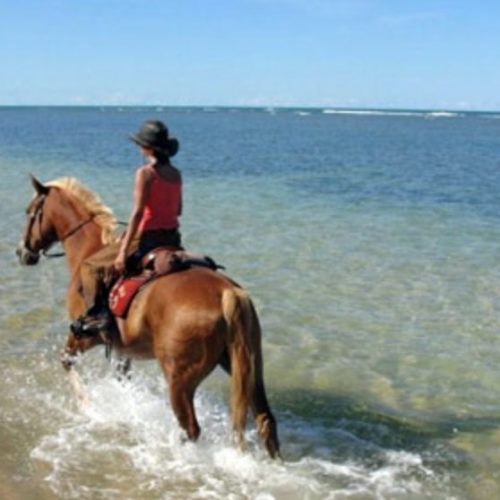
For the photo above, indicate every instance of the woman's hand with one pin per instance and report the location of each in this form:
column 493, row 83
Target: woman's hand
column 119, row 263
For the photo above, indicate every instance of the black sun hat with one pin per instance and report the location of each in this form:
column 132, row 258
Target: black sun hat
column 154, row 134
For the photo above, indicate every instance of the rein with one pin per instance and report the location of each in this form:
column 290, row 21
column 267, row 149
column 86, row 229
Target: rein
column 69, row 234
column 65, row 237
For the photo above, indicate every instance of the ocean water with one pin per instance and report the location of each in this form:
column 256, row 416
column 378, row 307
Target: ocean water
column 369, row 242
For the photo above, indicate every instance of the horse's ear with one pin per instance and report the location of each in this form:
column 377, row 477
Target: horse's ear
column 39, row 187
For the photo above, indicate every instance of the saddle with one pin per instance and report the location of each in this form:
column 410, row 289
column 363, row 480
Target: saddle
column 155, row 264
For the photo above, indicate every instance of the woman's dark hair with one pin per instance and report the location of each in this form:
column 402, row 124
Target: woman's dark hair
column 164, row 155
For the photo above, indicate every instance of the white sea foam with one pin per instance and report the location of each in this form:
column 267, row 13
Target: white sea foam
column 127, row 441
column 442, row 114
column 368, row 112
column 377, row 112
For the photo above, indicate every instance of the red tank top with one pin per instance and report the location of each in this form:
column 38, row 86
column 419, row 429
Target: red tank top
column 162, row 205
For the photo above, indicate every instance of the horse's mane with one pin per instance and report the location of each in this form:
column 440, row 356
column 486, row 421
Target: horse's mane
column 103, row 215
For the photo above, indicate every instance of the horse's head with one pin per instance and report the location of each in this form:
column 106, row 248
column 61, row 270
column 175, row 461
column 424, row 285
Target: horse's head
column 39, row 233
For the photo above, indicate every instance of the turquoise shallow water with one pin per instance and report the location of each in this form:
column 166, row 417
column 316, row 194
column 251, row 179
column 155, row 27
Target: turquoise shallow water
column 369, row 244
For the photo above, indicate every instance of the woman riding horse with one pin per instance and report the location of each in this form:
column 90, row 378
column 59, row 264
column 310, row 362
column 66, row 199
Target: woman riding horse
column 154, row 222
column 190, row 321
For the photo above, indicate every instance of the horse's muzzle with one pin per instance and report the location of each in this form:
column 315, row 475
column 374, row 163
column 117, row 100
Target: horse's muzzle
column 27, row 257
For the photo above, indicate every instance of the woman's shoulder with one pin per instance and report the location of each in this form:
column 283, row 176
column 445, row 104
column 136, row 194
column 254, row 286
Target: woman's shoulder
column 145, row 171
column 144, row 176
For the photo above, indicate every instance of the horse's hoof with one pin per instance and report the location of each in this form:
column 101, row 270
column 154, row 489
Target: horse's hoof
column 67, row 360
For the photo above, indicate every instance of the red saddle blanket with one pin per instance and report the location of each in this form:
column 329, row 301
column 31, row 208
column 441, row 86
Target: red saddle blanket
column 124, row 290
column 157, row 263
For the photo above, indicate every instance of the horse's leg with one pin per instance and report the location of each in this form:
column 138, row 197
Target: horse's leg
column 68, row 361
column 264, row 419
column 76, row 384
column 181, row 399
column 123, row 368
column 182, row 383
column 128, row 335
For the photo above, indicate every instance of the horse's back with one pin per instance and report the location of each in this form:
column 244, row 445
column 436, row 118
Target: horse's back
column 193, row 288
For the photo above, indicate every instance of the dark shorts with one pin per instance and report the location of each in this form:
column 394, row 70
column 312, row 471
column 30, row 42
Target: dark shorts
column 159, row 238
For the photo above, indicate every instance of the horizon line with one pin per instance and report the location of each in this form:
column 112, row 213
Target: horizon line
column 254, row 106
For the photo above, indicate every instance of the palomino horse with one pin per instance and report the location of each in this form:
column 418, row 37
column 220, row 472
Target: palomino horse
column 189, row 321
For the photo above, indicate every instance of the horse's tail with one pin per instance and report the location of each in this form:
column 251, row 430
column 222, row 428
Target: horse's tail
column 244, row 330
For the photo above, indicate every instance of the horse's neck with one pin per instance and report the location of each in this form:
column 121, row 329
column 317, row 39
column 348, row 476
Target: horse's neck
column 83, row 242
column 79, row 247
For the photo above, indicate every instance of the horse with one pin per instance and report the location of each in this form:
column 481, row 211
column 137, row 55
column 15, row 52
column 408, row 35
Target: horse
column 191, row 321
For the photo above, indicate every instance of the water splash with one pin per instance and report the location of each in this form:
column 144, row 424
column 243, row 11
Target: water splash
column 126, row 441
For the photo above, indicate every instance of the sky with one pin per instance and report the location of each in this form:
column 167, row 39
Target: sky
column 420, row 54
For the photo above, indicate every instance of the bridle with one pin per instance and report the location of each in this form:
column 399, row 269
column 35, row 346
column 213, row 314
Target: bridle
column 37, row 216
